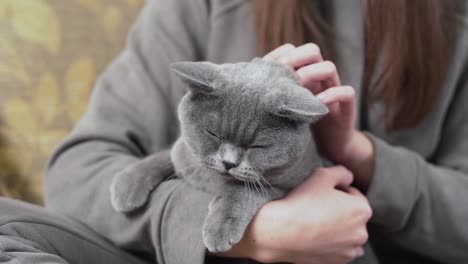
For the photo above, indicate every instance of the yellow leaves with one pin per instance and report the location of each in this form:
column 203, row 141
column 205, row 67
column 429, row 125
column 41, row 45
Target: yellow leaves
column 30, row 119
column 21, row 118
column 134, row 3
column 95, row 6
column 48, row 75
column 111, row 19
column 18, row 157
column 14, row 166
column 28, row 135
column 7, row 155
column 47, row 99
column 7, row 47
column 50, row 139
column 29, row 122
column 3, row 10
column 12, row 66
column 79, row 80
column 110, row 15
column 4, row 133
column 35, row 21
column 98, row 5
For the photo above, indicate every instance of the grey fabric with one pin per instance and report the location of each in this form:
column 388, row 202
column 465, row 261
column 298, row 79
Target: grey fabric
column 30, row 234
column 421, row 177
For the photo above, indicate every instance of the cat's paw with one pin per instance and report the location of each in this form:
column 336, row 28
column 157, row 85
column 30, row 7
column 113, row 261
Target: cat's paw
column 221, row 238
column 220, row 231
column 128, row 191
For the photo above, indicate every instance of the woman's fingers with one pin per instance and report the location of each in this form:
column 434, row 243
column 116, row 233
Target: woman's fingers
column 345, row 95
column 316, row 75
column 329, row 178
column 337, row 94
column 278, row 52
column 356, row 193
column 343, row 177
column 357, row 252
column 303, row 55
column 319, row 72
column 337, row 176
column 366, row 211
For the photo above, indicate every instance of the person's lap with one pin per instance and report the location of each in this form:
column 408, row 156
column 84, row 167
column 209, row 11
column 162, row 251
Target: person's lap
column 31, row 234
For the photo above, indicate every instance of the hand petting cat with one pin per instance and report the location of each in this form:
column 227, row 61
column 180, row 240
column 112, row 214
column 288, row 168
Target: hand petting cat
column 336, row 135
column 322, row 221
column 246, row 138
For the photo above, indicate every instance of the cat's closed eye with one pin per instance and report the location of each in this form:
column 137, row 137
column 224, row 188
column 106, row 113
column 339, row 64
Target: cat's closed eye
column 257, row 146
column 211, row 133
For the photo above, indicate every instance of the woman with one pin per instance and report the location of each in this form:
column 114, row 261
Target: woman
column 406, row 77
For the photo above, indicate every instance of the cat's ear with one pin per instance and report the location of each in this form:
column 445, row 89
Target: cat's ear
column 303, row 107
column 198, row 75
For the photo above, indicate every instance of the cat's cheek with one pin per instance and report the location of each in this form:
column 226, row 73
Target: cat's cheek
column 253, row 156
column 203, row 144
column 260, row 159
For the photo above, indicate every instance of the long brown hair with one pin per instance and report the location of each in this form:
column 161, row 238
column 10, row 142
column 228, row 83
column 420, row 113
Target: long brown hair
column 408, row 38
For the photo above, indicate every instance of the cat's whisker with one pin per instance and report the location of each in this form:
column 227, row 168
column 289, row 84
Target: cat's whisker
column 263, row 189
column 185, row 178
column 250, row 194
column 269, row 184
column 260, row 186
column 271, row 187
column 175, row 173
column 248, row 190
column 255, row 186
column 267, row 192
column 172, row 176
column 264, row 192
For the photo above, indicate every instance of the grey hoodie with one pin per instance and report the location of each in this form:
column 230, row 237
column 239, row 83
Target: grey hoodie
column 420, row 189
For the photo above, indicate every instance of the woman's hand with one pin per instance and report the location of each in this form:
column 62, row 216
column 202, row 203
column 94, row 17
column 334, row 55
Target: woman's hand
column 321, row 221
column 335, row 134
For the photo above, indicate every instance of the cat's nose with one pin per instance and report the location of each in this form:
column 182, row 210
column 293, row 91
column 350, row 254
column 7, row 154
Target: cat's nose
column 228, row 165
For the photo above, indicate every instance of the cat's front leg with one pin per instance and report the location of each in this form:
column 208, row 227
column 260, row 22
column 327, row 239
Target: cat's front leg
column 131, row 187
column 231, row 212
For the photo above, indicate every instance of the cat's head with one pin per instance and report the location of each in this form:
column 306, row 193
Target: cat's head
column 249, row 121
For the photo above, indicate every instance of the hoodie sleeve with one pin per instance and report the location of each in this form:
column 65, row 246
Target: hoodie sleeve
column 422, row 205
column 132, row 114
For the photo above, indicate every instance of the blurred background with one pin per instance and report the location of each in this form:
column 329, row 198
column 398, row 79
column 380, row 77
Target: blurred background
column 51, row 52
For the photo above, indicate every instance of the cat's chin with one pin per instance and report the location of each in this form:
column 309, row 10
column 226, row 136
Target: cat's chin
column 232, row 177
column 222, row 173
column 242, row 179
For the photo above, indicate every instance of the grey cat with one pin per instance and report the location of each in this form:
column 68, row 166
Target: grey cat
column 245, row 137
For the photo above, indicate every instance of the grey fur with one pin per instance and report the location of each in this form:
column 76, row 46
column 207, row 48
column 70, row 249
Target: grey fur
column 245, row 137
column 131, row 187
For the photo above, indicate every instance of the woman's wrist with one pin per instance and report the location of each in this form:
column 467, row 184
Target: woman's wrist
column 360, row 159
column 254, row 244
column 246, row 248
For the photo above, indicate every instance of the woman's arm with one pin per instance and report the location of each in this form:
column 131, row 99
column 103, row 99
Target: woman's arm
column 323, row 220
column 419, row 204
column 422, row 205
column 132, row 114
